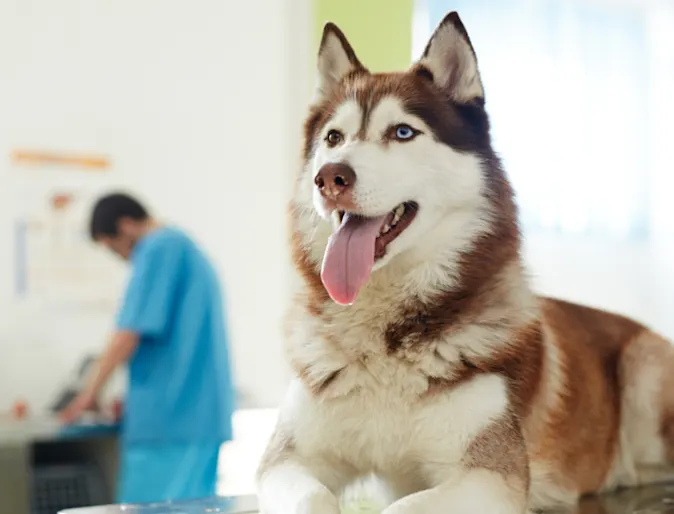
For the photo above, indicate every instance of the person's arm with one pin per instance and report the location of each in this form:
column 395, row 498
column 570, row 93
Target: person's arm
column 121, row 347
column 119, row 350
column 145, row 313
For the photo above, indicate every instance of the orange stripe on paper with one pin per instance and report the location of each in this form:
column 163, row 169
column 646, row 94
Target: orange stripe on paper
column 34, row 158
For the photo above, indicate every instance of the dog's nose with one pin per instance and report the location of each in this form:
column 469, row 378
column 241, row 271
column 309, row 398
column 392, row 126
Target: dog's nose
column 335, row 180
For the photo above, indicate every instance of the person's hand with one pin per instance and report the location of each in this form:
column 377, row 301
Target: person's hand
column 83, row 402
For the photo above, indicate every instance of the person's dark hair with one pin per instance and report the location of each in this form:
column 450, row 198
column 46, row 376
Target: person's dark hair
column 110, row 209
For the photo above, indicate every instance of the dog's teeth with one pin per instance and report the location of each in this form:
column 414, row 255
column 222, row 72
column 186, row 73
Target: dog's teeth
column 397, row 214
column 386, row 228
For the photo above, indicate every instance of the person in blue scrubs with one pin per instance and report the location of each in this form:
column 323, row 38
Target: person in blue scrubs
column 171, row 330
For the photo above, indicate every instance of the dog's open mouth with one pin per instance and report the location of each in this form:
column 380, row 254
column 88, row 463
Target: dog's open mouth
column 393, row 225
column 355, row 245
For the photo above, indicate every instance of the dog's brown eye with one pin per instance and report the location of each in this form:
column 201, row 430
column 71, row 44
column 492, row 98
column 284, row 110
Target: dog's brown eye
column 334, row 137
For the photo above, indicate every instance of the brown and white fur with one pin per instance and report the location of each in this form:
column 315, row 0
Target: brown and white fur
column 448, row 377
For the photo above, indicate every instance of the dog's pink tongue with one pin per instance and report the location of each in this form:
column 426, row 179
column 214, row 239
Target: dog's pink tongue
column 349, row 257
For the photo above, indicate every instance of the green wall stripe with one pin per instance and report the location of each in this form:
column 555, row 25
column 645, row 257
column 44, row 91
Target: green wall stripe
column 380, row 31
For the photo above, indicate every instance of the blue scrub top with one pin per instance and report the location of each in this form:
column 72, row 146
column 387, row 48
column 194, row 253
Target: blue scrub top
column 180, row 382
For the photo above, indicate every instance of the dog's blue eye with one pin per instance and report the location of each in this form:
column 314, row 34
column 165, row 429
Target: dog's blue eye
column 404, row 132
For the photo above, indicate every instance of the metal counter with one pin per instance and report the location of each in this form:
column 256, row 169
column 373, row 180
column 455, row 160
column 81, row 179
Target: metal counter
column 646, row 500
column 238, row 505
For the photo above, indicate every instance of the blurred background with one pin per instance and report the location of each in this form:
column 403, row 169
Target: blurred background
column 196, row 107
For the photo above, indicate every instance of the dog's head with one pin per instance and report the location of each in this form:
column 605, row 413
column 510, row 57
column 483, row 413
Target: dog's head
column 395, row 164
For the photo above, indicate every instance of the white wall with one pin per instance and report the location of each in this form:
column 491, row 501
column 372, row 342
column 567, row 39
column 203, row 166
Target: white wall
column 198, row 104
column 635, row 279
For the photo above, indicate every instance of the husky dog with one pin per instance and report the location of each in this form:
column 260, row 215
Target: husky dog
column 421, row 354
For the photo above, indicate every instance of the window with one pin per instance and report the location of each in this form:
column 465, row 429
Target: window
column 572, row 92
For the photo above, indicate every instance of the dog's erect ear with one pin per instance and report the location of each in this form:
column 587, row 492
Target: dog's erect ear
column 450, row 58
column 336, row 59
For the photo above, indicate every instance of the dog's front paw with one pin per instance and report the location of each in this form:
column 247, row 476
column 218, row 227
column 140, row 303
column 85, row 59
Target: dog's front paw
column 461, row 499
column 443, row 507
column 319, row 501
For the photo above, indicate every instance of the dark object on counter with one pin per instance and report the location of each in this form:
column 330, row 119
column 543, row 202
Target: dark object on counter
column 75, row 386
column 63, row 400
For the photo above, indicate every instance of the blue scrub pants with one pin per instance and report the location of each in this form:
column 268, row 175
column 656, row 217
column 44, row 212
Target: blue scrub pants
column 156, row 472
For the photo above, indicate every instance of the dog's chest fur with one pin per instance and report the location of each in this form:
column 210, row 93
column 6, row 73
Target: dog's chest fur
column 375, row 427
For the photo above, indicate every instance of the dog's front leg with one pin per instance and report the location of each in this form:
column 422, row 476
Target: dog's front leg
column 289, row 483
column 492, row 478
column 475, row 491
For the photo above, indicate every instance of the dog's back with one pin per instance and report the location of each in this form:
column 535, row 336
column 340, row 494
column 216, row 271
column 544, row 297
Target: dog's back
column 601, row 417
